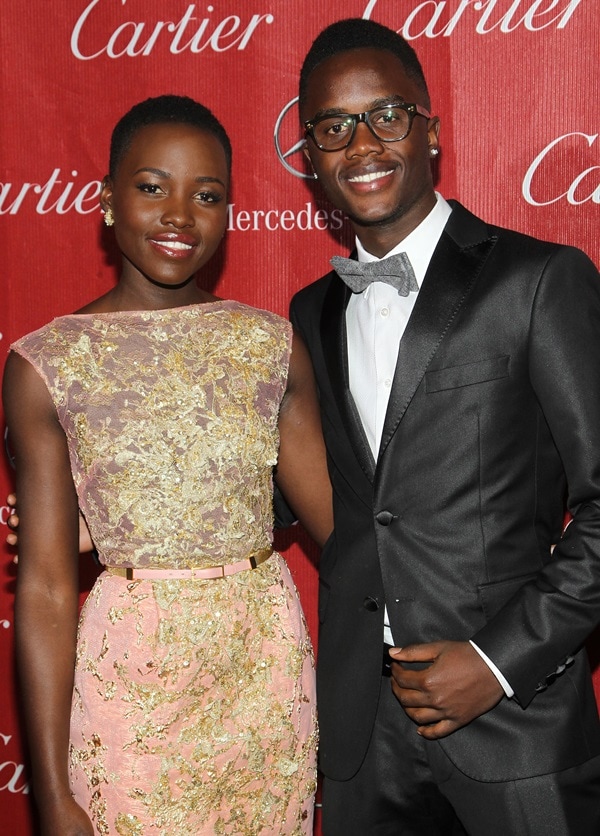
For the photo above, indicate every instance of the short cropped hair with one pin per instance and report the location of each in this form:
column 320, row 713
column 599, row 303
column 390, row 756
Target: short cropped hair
column 161, row 110
column 357, row 33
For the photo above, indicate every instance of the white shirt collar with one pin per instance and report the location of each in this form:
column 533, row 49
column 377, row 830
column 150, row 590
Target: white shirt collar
column 421, row 242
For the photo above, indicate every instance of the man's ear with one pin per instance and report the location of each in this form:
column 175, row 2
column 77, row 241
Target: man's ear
column 433, row 134
column 306, row 153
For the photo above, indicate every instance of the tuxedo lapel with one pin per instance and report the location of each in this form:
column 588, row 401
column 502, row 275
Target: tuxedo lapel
column 335, row 351
column 456, row 263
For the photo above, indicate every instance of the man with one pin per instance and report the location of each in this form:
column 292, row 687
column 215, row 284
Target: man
column 457, row 410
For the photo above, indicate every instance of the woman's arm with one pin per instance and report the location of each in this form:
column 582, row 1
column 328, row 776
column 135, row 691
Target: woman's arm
column 301, row 472
column 46, row 605
column 12, row 538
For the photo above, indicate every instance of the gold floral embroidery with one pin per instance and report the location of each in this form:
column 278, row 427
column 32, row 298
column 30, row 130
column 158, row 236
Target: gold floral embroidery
column 193, row 708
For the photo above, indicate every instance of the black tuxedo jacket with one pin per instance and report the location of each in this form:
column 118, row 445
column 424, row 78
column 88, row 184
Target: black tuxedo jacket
column 493, row 423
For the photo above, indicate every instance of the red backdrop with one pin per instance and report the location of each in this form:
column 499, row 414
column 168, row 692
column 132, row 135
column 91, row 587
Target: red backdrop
column 515, row 83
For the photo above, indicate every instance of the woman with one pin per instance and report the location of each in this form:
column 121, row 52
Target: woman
column 185, row 704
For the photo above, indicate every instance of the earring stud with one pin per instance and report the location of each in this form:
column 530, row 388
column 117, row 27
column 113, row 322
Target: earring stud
column 433, row 152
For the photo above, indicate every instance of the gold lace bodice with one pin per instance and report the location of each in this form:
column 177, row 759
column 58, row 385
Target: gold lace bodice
column 171, row 419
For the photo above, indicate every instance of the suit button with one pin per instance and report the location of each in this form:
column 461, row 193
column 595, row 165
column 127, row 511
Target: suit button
column 385, row 517
column 371, row 604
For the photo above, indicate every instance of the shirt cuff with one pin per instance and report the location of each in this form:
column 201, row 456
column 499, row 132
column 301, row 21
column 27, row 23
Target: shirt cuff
column 505, row 685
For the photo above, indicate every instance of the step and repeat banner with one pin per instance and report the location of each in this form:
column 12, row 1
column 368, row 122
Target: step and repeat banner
column 515, row 83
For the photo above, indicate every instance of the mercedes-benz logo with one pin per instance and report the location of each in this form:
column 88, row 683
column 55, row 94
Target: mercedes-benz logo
column 285, row 135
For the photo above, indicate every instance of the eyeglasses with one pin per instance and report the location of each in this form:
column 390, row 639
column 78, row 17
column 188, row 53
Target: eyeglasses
column 389, row 123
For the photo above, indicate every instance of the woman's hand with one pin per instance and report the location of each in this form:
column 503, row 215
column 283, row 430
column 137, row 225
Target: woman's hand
column 65, row 819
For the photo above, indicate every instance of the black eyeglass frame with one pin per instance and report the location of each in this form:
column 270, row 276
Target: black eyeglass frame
column 411, row 109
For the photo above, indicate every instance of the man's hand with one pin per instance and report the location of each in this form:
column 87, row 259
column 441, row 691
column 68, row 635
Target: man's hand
column 456, row 686
column 12, row 522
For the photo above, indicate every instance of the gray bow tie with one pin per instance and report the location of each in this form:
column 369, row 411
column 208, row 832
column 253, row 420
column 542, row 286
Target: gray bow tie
column 395, row 270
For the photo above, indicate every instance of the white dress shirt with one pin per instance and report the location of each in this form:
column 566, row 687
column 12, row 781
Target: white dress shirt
column 375, row 323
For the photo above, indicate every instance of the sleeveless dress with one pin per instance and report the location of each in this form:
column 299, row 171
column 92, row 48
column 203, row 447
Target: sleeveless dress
column 194, row 700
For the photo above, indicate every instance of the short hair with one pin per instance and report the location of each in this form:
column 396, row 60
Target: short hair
column 158, row 111
column 358, row 33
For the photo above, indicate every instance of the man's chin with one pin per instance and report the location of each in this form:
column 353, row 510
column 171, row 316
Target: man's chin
column 382, row 221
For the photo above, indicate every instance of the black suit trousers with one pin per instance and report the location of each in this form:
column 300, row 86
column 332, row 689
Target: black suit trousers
column 408, row 786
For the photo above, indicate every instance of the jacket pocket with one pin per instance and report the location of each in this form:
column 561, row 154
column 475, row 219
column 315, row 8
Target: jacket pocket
column 467, row 374
column 494, row 595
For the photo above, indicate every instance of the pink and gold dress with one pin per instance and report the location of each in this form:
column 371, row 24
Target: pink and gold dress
column 194, row 703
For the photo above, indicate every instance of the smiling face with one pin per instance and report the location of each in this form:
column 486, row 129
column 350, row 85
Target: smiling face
column 169, row 201
column 385, row 188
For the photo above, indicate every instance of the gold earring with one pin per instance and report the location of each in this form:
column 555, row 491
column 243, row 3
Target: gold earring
column 109, row 218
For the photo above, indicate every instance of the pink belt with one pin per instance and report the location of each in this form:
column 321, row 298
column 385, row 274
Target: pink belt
column 221, row 571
